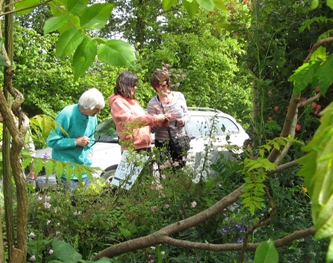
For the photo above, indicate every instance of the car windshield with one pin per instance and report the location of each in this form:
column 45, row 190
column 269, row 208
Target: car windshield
column 106, row 131
column 202, row 126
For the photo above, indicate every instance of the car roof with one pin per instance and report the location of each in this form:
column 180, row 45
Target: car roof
column 207, row 112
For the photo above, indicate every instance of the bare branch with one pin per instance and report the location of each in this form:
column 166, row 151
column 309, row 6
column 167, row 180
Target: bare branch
column 159, row 236
column 317, row 45
column 309, row 100
column 284, row 166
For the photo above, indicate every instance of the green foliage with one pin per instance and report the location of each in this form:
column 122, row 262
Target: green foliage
column 316, row 72
column 318, row 178
column 255, row 171
column 72, row 19
column 266, row 253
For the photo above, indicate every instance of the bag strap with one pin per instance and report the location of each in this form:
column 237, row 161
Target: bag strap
column 168, row 128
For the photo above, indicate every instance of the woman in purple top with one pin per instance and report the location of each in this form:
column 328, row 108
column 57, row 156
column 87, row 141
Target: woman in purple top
column 167, row 102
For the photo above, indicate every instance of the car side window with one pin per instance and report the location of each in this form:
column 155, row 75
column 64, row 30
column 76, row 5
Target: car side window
column 225, row 126
column 197, row 127
column 106, row 131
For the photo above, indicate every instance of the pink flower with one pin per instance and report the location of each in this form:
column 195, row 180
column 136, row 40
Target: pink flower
column 313, row 105
column 153, row 209
column 298, row 127
column 269, row 118
column 151, row 259
column 166, row 205
column 276, row 108
column 270, row 92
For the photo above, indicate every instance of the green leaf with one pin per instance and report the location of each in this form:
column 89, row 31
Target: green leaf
column 25, row 4
column 220, row 4
column 304, row 75
column 167, row 4
column 49, row 165
column 325, row 74
column 207, row 4
column 76, row 7
column 329, row 255
column 96, row 16
column 3, row 61
column 84, row 56
column 329, row 3
column 266, row 253
column 65, row 252
column 54, row 23
column 116, row 53
column 314, row 4
column 191, row 7
column 68, row 42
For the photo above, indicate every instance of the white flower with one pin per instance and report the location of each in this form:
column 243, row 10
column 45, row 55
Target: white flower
column 47, row 205
column 193, row 203
column 48, row 222
column 32, row 234
column 51, row 251
column 32, row 258
column 47, row 198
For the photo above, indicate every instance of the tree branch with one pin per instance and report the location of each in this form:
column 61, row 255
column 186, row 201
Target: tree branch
column 160, row 236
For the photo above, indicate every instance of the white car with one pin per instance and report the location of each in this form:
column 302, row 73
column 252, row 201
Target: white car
column 208, row 129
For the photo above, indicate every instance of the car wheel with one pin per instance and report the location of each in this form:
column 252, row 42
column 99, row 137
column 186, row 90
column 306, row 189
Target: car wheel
column 109, row 173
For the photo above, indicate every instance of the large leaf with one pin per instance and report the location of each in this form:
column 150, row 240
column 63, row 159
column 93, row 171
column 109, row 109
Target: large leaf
column 191, row 7
column 329, row 255
column 266, row 253
column 96, row 16
column 325, row 74
column 314, row 4
column 167, row 4
column 68, row 42
column 65, row 252
column 207, row 4
column 304, row 75
column 84, row 56
column 116, row 53
column 76, row 7
column 330, row 3
column 24, row 5
column 317, row 171
column 220, row 4
column 72, row 22
column 54, row 23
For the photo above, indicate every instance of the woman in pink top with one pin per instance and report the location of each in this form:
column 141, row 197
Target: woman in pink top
column 132, row 122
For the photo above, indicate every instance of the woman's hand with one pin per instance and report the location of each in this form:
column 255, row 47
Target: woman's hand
column 82, row 141
column 180, row 122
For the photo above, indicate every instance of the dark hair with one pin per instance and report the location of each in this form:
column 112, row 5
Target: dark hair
column 159, row 78
column 125, row 82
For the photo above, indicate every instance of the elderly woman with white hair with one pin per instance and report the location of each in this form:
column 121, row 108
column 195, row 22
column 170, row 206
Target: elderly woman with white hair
column 74, row 143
